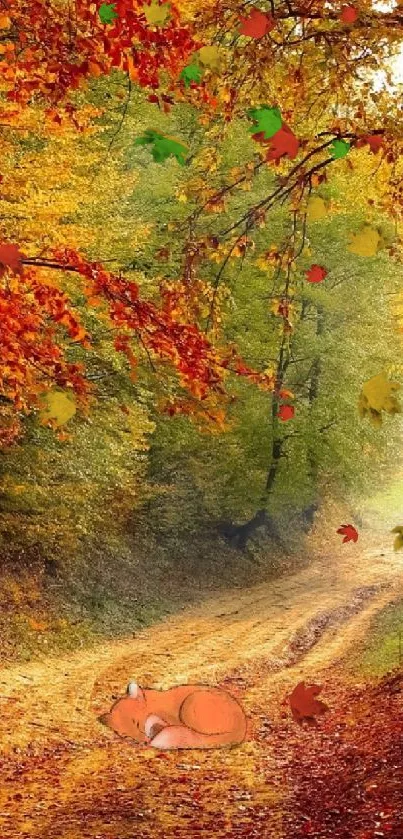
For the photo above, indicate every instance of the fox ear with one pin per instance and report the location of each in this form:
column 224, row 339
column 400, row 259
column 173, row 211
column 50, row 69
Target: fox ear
column 134, row 690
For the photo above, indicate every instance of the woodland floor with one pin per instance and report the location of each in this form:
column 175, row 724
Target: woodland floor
column 63, row 775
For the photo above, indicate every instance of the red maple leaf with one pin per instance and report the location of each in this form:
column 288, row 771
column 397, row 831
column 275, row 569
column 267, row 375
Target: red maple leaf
column 304, row 706
column 315, row 274
column 10, row 257
column 374, row 141
column 257, row 24
column 286, row 412
column 348, row 14
column 349, row 532
column 284, row 142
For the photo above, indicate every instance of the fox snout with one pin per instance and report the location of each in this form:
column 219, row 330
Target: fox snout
column 104, row 719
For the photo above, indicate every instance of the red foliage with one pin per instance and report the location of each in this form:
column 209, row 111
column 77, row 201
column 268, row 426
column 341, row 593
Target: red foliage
column 346, row 783
column 51, row 49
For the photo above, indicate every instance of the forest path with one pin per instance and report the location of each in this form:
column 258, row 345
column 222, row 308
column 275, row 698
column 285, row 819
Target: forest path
column 79, row 780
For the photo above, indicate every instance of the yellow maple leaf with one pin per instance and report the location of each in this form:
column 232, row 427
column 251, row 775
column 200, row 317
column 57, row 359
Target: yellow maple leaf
column 366, row 242
column 156, row 14
column 378, row 391
column 59, row 408
column 377, row 395
column 316, row 209
column 5, row 21
column 398, row 542
column 210, row 57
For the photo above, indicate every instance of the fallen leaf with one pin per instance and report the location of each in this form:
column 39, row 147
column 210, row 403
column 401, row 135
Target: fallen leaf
column 315, row 274
column 349, row 532
column 257, row 24
column 304, row 706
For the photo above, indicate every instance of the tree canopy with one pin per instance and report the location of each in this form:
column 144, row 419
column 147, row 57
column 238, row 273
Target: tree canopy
column 205, row 204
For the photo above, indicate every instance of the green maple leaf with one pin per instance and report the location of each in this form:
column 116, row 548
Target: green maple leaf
column 339, row 148
column 191, row 73
column 268, row 120
column 107, row 12
column 163, row 146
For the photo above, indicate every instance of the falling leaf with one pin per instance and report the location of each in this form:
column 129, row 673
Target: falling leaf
column 377, row 395
column 349, row 532
column 107, row 12
column 398, row 542
column 374, row 141
column 348, row 14
column 315, row 274
column 10, row 257
column 59, row 408
column 339, row 149
column 286, row 412
column 304, row 706
column 163, row 146
column 155, row 13
column 191, row 73
column 210, row 57
column 38, row 626
column 316, row 209
column 257, row 24
column 365, row 243
column 283, row 142
column 268, row 121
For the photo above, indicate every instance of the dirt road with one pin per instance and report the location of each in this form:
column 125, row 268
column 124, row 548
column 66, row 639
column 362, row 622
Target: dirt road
column 63, row 775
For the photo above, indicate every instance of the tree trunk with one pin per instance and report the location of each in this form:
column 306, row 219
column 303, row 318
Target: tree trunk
column 239, row 535
column 316, row 369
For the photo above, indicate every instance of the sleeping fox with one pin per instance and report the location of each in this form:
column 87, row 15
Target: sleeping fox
column 183, row 717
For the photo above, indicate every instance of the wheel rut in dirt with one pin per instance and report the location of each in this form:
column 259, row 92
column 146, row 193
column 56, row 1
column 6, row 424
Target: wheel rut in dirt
column 308, row 636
